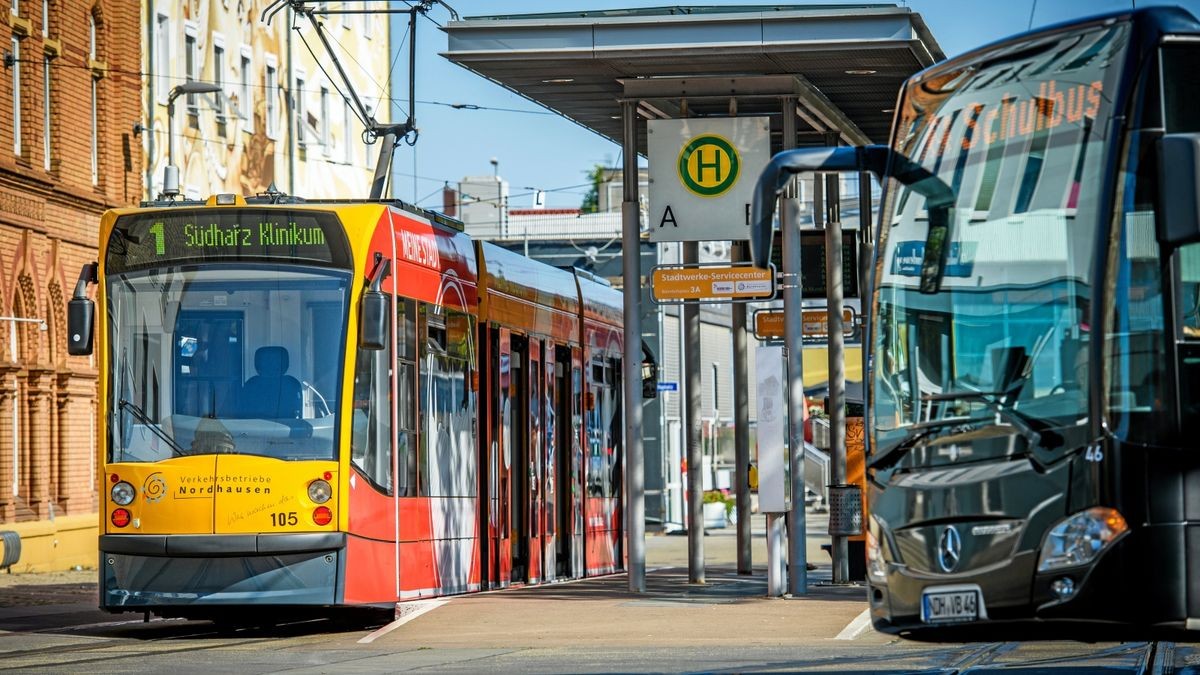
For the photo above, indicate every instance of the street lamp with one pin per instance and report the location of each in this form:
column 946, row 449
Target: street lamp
column 171, row 174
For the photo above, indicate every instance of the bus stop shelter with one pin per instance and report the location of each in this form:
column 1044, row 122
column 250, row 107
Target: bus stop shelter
column 823, row 74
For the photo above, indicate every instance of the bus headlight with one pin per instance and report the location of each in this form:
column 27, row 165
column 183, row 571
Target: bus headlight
column 319, row 491
column 1079, row 538
column 123, row 493
column 876, row 567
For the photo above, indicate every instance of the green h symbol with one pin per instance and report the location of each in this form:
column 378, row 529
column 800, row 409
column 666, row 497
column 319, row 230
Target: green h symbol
column 702, row 165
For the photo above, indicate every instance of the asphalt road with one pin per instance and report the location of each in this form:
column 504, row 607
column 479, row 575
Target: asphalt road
column 50, row 624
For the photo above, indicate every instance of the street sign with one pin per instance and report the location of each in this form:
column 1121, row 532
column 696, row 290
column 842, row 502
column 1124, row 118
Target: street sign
column 711, row 283
column 668, row 386
column 816, row 322
column 702, row 176
column 769, row 325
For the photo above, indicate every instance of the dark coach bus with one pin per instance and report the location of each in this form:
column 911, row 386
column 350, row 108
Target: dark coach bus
column 1035, row 330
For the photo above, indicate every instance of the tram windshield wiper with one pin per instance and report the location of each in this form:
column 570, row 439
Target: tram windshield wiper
column 141, row 416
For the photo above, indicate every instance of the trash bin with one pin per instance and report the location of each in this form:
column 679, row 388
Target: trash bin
column 845, row 510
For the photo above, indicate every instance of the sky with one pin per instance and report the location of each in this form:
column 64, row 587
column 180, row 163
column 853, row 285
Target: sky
column 539, row 151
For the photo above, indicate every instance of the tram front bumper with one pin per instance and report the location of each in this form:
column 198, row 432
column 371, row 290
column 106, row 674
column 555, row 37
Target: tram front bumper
column 140, row 572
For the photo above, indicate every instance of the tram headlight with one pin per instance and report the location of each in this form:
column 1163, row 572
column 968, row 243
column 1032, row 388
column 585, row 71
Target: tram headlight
column 1079, row 538
column 123, row 493
column 319, row 491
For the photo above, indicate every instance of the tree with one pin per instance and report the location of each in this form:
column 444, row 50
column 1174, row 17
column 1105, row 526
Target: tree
column 591, row 201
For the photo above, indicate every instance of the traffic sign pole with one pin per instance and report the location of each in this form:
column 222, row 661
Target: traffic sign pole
column 837, row 359
column 794, row 339
column 741, row 426
column 631, row 257
column 691, row 421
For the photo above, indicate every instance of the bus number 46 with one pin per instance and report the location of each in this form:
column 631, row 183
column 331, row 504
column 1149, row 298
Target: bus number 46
column 1093, row 453
column 284, row 519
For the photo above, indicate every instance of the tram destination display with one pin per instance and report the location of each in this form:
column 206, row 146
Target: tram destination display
column 171, row 237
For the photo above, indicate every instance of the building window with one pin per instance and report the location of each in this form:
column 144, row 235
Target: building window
column 326, row 142
column 301, row 137
column 45, row 18
column 272, row 94
column 16, row 7
column 46, row 111
column 16, row 84
column 368, row 25
column 219, row 80
column 94, row 54
column 367, row 148
column 244, row 93
column 191, row 64
column 162, row 55
column 347, row 126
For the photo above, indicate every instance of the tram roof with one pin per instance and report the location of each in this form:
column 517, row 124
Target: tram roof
column 844, row 63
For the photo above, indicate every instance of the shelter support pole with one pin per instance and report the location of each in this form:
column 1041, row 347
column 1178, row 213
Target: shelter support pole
column 794, row 340
column 691, row 426
column 631, row 257
column 741, row 424
column 834, row 295
column 866, row 255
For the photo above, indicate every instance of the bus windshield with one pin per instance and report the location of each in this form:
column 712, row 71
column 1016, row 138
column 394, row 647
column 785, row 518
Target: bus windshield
column 227, row 358
column 1019, row 139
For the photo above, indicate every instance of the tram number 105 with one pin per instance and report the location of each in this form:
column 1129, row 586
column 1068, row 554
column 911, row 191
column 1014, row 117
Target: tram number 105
column 284, row 519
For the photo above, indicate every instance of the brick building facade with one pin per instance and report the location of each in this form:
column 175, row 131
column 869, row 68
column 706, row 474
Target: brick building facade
column 70, row 93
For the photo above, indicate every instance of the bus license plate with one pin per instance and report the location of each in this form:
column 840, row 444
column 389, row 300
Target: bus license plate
column 937, row 607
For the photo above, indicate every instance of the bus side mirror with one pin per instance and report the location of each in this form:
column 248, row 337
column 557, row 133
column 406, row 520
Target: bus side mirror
column 373, row 320
column 81, row 314
column 1178, row 188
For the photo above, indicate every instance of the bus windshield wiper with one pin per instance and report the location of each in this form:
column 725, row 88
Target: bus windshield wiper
column 141, row 416
column 887, row 458
column 996, row 402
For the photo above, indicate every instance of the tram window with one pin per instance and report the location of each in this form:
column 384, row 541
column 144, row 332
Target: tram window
column 370, row 440
column 446, row 461
column 406, row 408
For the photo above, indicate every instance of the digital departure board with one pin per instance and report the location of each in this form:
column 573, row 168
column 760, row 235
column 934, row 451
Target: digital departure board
column 166, row 237
column 812, row 262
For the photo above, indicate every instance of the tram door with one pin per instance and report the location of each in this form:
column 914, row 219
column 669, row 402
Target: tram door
column 558, row 425
column 502, row 456
column 578, row 493
column 536, row 489
column 517, row 454
column 549, row 467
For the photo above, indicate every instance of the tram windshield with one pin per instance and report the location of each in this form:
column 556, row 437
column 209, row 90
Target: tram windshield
column 1019, row 138
column 228, row 358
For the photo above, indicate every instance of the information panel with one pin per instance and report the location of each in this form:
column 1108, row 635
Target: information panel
column 812, row 262
column 680, row 284
column 165, row 237
column 771, row 402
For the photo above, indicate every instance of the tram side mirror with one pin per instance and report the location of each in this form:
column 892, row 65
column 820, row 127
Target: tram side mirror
column 373, row 320
column 1179, row 188
column 81, row 314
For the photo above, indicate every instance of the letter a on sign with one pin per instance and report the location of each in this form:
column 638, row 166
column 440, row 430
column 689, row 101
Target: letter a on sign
column 702, row 176
column 668, row 217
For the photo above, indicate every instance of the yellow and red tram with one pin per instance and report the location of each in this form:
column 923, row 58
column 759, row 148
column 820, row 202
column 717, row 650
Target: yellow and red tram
column 343, row 403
